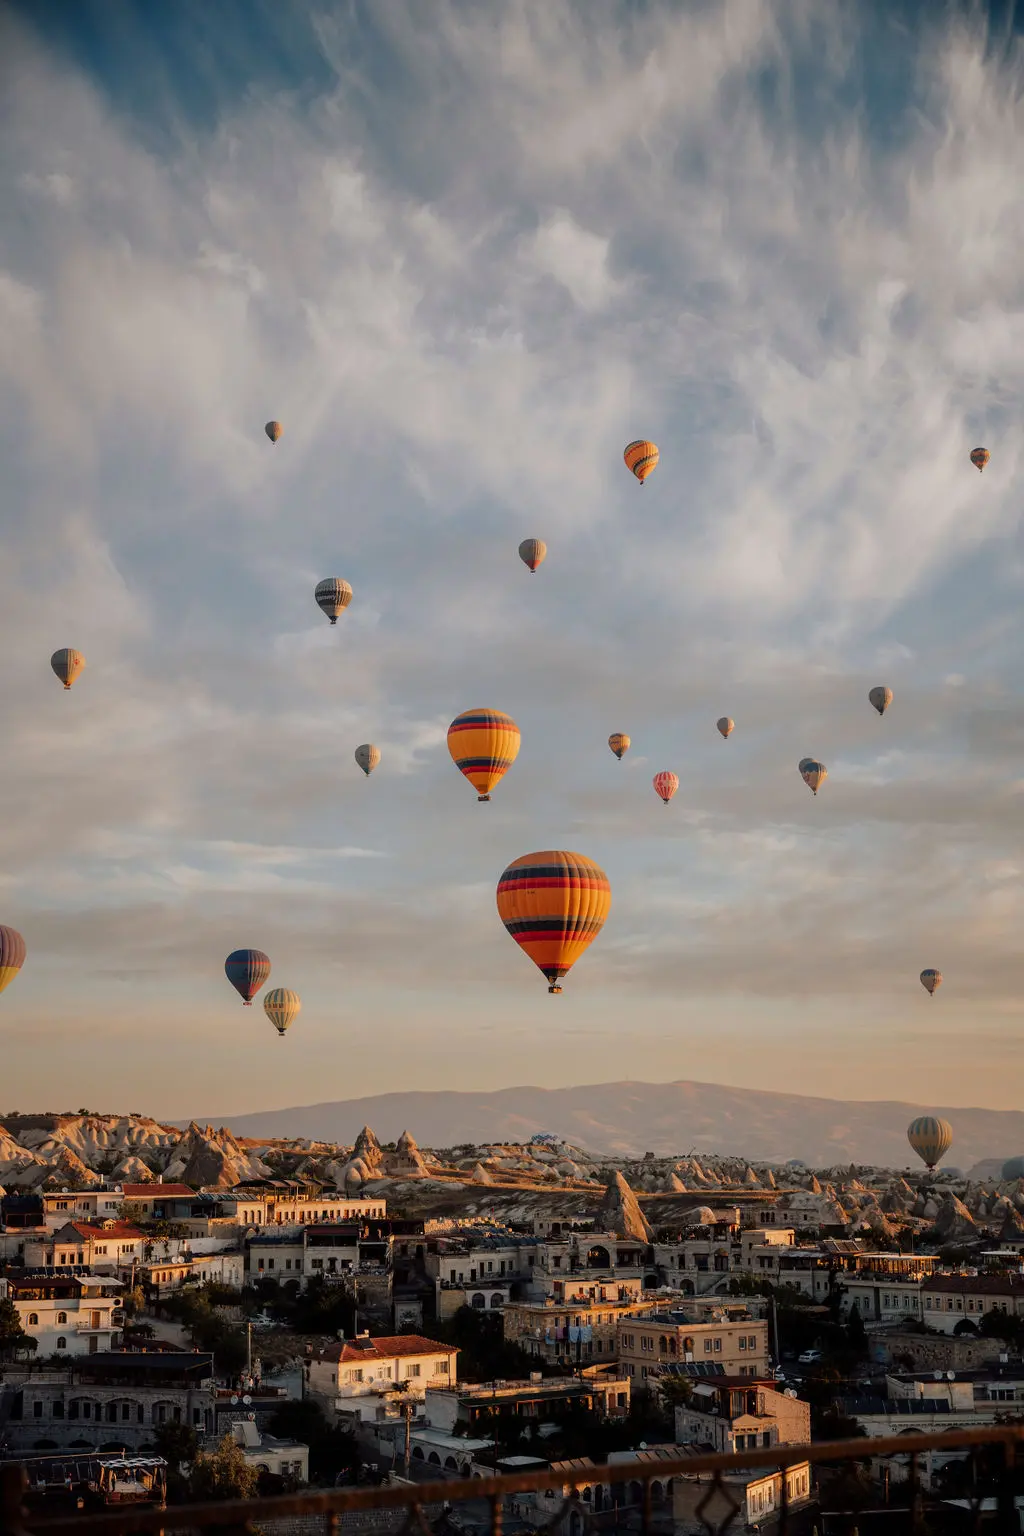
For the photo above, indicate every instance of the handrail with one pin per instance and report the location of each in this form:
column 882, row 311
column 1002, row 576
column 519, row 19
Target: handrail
column 333, row 1502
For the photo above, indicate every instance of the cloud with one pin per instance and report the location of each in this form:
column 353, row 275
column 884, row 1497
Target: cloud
column 464, row 270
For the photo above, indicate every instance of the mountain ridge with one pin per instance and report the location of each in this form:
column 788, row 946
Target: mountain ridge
column 629, row 1118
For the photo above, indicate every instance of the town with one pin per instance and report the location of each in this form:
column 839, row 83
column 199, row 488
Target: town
column 186, row 1310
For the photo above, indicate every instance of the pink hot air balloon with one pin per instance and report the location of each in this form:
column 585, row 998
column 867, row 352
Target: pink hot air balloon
column 665, row 785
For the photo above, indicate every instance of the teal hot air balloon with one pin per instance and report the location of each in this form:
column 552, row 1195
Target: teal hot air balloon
column 930, row 1138
column 247, row 970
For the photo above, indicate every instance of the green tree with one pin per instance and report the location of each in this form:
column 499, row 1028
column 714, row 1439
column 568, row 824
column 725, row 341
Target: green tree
column 13, row 1338
column 483, row 1353
column 223, row 1473
column 331, row 1450
column 856, row 1332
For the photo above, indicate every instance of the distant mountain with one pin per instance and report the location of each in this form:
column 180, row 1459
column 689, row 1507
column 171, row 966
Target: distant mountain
column 628, row 1119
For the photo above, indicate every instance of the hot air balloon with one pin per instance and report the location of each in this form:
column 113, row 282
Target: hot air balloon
column 813, row 773
column 273, row 429
column 881, row 698
column 67, row 665
column 367, row 756
column 281, row 1007
column 642, row 458
column 726, row 727
column 979, row 458
column 532, row 552
column 333, row 595
column 665, row 784
column 619, row 744
column 930, row 1138
column 247, row 970
column 931, row 981
column 12, row 955
column 484, row 744
column 554, row 905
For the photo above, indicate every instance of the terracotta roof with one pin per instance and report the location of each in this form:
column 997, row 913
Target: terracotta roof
column 963, row 1285
column 351, row 1351
column 143, row 1191
column 115, row 1229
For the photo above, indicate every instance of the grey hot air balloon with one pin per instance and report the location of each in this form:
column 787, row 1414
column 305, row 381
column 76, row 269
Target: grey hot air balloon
column 532, row 553
column 880, row 698
column 367, row 756
column 930, row 1138
column 333, row 596
column 726, row 727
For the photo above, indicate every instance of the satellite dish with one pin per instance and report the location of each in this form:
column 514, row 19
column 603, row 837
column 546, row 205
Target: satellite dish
column 938, row 1376
column 951, row 1375
column 234, row 1399
column 247, row 1399
column 643, row 1445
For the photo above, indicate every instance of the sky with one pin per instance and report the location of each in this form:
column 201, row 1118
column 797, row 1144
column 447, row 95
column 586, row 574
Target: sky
column 464, row 268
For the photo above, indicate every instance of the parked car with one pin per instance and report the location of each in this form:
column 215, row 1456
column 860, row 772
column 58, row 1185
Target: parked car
column 810, row 1357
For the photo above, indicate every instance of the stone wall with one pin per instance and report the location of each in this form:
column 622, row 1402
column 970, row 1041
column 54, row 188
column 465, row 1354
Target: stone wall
column 934, row 1351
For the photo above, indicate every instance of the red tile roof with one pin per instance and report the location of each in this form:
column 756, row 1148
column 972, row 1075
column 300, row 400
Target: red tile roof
column 115, row 1229
column 145, row 1191
column 353, row 1350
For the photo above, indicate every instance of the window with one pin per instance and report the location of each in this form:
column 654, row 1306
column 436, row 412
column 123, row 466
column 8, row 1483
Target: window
column 62, row 1343
column 743, row 1341
column 33, row 1319
column 37, row 1409
column 752, row 1341
column 440, row 1367
column 62, row 1317
column 718, row 1346
column 708, row 1346
column 414, row 1369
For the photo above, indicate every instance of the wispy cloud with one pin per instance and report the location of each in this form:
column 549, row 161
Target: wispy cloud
column 464, row 269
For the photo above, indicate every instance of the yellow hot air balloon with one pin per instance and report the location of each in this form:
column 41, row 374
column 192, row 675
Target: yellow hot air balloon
column 813, row 773
column 67, row 665
column 483, row 744
column 726, row 727
column 554, row 904
column 273, row 429
column 333, row 596
column 641, row 458
column 367, row 756
column 619, row 744
column 979, row 458
column 281, row 1007
column 930, row 1138
column 533, row 552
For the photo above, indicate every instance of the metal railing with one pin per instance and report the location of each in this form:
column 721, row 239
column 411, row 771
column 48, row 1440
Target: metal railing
column 640, row 1497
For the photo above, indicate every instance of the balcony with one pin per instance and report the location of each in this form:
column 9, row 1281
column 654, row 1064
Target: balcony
column 980, row 1490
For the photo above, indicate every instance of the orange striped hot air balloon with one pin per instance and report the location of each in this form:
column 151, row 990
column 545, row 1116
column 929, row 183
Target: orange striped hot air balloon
column 533, row 552
column 979, row 458
column 554, row 905
column 12, row 954
column 641, row 458
column 484, row 744
column 66, row 665
column 665, row 785
column 619, row 743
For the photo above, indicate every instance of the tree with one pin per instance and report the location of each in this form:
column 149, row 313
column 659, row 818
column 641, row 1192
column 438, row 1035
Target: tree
column 223, row 1473
column 964, row 1327
column 856, row 1332
column 13, row 1338
column 331, row 1450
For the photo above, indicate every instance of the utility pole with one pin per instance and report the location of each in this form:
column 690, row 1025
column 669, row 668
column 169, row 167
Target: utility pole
column 248, row 1350
column 407, row 1463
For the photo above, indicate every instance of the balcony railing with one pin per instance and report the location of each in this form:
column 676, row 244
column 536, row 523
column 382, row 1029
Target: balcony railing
column 984, row 1500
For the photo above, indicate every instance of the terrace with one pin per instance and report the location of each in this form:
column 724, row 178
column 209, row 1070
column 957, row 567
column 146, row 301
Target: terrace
column 655, row 1490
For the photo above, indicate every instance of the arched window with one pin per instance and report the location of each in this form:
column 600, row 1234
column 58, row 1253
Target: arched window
column 33, row 1319
column 62, row 1343
column 62, row 1317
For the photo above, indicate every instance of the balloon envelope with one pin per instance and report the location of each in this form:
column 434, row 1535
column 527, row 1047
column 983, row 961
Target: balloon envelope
column 726, row 726
column 333, row 596
column 247, row 970
column 67, row 664
column 532, row 552
column 813, row 773
column 930, row 1138
column 554, row 904
column 273, row 429
column 980, row 457
column 931, row 981
column 641, row 458
column 880, row 699
column 619, row 743
column 665, row 784
column 483, row 744
column 367, row 756
column 12, row 955
column 281, row 1007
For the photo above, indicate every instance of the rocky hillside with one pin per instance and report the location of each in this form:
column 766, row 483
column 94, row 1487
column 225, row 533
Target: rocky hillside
column 627, row 1119
column 76, row 1151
